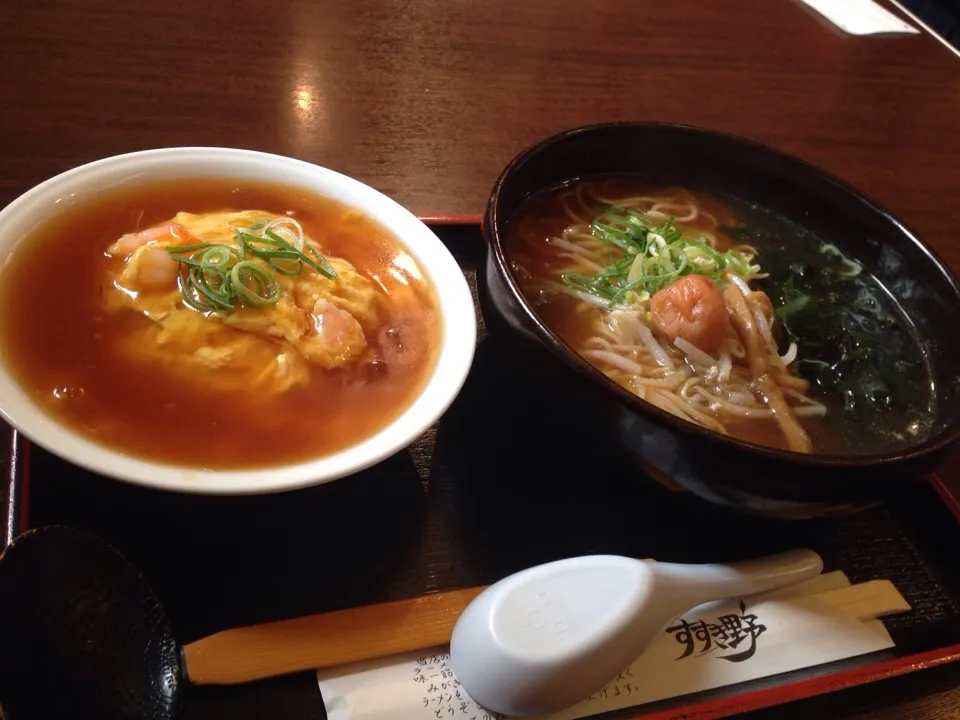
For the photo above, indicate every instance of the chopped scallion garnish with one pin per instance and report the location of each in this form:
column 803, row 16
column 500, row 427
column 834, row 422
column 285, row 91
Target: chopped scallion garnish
column 212, row 275
column 253, row 284
column 654, row 254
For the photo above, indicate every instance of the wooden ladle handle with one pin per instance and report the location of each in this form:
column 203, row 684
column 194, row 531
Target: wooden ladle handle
column 326, row 639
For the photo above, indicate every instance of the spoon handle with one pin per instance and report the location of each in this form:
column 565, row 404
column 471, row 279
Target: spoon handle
column 324, row 640
column 693, row 584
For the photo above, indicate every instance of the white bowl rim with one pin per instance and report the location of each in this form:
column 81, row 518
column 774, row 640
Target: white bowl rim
column 457, row 319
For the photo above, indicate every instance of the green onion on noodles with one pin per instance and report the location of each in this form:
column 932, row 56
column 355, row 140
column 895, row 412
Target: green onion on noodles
column 652, row 254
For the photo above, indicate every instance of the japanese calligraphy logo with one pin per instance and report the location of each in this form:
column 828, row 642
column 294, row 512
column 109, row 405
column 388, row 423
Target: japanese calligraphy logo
column 728, row 633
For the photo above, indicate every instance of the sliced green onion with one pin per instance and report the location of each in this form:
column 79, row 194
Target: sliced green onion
column 322, row 267
column 213, row 275
column 186, row 259
column 653, row 253
column 218, row 256
column 285, row 270
column 265, row 290
column 215, row 291
column 190, row 248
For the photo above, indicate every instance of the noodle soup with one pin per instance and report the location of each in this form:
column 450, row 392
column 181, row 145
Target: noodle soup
column 724, row 315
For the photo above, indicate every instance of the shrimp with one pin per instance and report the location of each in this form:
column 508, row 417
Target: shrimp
column 156, row 270
column 131, row 241
column 333, row 325
column 334, row 338
column 692, row 308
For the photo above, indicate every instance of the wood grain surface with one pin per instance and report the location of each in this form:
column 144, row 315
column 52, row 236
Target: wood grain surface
column 428, row 99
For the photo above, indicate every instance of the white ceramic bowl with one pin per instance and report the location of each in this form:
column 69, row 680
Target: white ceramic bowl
column 456, row 310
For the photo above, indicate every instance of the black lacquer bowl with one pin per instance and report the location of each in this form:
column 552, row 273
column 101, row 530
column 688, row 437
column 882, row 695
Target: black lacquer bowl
column 717, row 468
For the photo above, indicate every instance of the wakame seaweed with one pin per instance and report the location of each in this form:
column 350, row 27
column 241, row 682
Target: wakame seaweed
column 853, row 345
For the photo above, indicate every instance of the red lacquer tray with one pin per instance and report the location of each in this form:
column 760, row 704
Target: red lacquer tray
column 477, row 497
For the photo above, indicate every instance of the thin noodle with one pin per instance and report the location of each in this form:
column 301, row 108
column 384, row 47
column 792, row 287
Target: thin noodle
column 785, row 380
column 745, row 377
column 690, row 208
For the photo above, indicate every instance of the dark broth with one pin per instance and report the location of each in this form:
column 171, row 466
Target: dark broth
column 876, row 385
column 58, row 342
column 856, row 346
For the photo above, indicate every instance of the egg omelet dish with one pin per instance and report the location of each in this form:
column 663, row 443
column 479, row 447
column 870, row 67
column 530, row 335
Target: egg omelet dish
column 240, row 300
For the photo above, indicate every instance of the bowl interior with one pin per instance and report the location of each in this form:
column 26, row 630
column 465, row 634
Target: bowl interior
column 715, row 163
column 457, row 315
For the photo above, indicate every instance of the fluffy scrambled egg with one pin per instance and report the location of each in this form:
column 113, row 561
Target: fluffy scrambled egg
column 316, row 320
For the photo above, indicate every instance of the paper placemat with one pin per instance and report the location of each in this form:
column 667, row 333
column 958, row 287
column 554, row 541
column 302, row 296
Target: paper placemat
column 714, row 645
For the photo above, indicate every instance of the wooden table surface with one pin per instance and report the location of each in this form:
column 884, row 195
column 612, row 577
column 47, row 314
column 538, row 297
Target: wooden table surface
column 427, row 100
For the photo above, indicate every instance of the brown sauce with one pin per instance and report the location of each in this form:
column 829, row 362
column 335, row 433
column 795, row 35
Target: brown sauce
column 58, row 341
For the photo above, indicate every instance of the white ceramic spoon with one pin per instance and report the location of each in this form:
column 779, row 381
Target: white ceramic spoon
column 547, row 637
